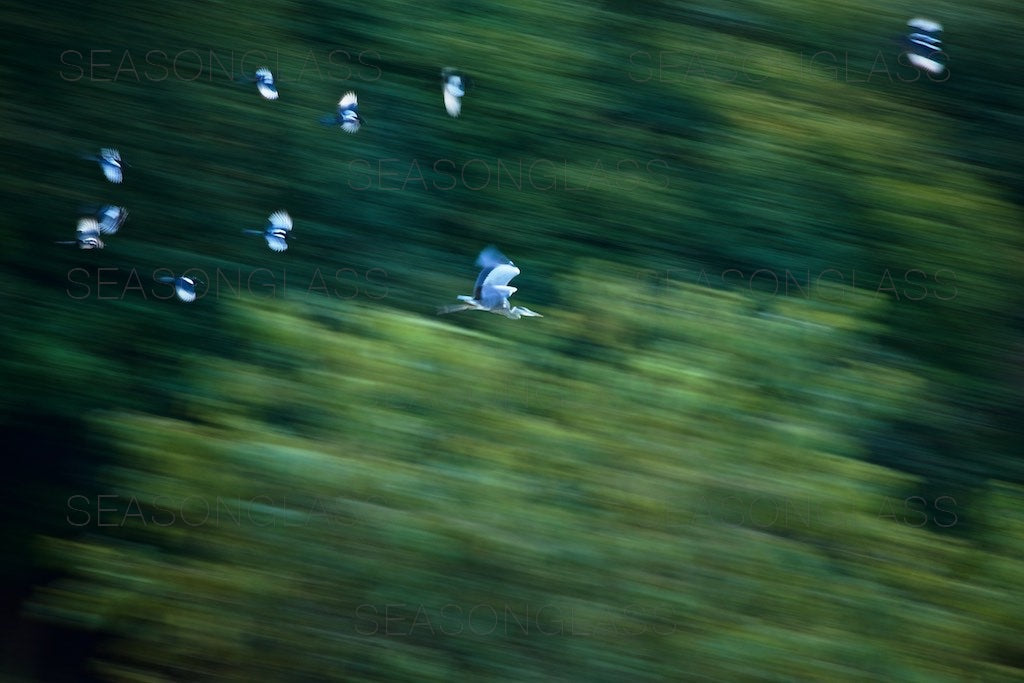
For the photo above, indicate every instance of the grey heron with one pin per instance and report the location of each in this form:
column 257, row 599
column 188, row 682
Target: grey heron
column 184, row 286
column 452, row 89
column 88, row 234
column 279, row 225
column 347, row 115
column 491, row 291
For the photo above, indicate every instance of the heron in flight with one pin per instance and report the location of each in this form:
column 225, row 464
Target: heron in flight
column 492, row 290
column 88, row 235
column 347, row 115
column 110, row 163
column 279, row 225
column 184, row 286
column 453, row 89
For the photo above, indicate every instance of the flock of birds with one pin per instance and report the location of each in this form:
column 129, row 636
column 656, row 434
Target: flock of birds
column 491, row 291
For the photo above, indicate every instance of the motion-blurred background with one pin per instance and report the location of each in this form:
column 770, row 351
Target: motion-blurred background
column 767, row 429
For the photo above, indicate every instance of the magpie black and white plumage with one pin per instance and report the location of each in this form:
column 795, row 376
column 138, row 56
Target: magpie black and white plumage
column 924, row 46
column 184, row 286
column 110, row 163
column 265, row 83
column 491, row 290
column 110, row 218
column 88, row 235
column 452, row 89
column 347, row 115
column 279, row 225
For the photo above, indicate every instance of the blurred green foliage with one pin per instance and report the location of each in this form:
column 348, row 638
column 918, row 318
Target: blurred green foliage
column 767, row 429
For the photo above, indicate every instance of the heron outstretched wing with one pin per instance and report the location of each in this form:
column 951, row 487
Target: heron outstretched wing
column 496, row 296
column 497, row 270
column 491, row 257
column 493, row 282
